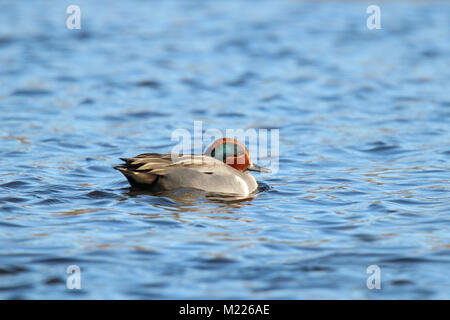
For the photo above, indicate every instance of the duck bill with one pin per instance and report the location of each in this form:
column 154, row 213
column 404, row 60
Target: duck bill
column 255, row 167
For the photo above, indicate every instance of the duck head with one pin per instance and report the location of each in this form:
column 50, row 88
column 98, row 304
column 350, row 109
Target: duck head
column 234, row 154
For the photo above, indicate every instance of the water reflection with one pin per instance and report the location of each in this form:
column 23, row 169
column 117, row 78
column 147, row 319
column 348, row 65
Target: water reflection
column 188, row 200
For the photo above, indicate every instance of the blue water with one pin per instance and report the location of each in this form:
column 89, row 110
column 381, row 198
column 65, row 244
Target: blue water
column 364, row 149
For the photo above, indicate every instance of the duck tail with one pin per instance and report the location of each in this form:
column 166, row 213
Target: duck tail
column 139, row 179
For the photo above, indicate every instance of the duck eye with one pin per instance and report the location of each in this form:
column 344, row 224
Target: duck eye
column 219, row 153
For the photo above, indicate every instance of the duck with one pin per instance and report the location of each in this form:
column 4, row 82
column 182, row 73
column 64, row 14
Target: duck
column 222, row 169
